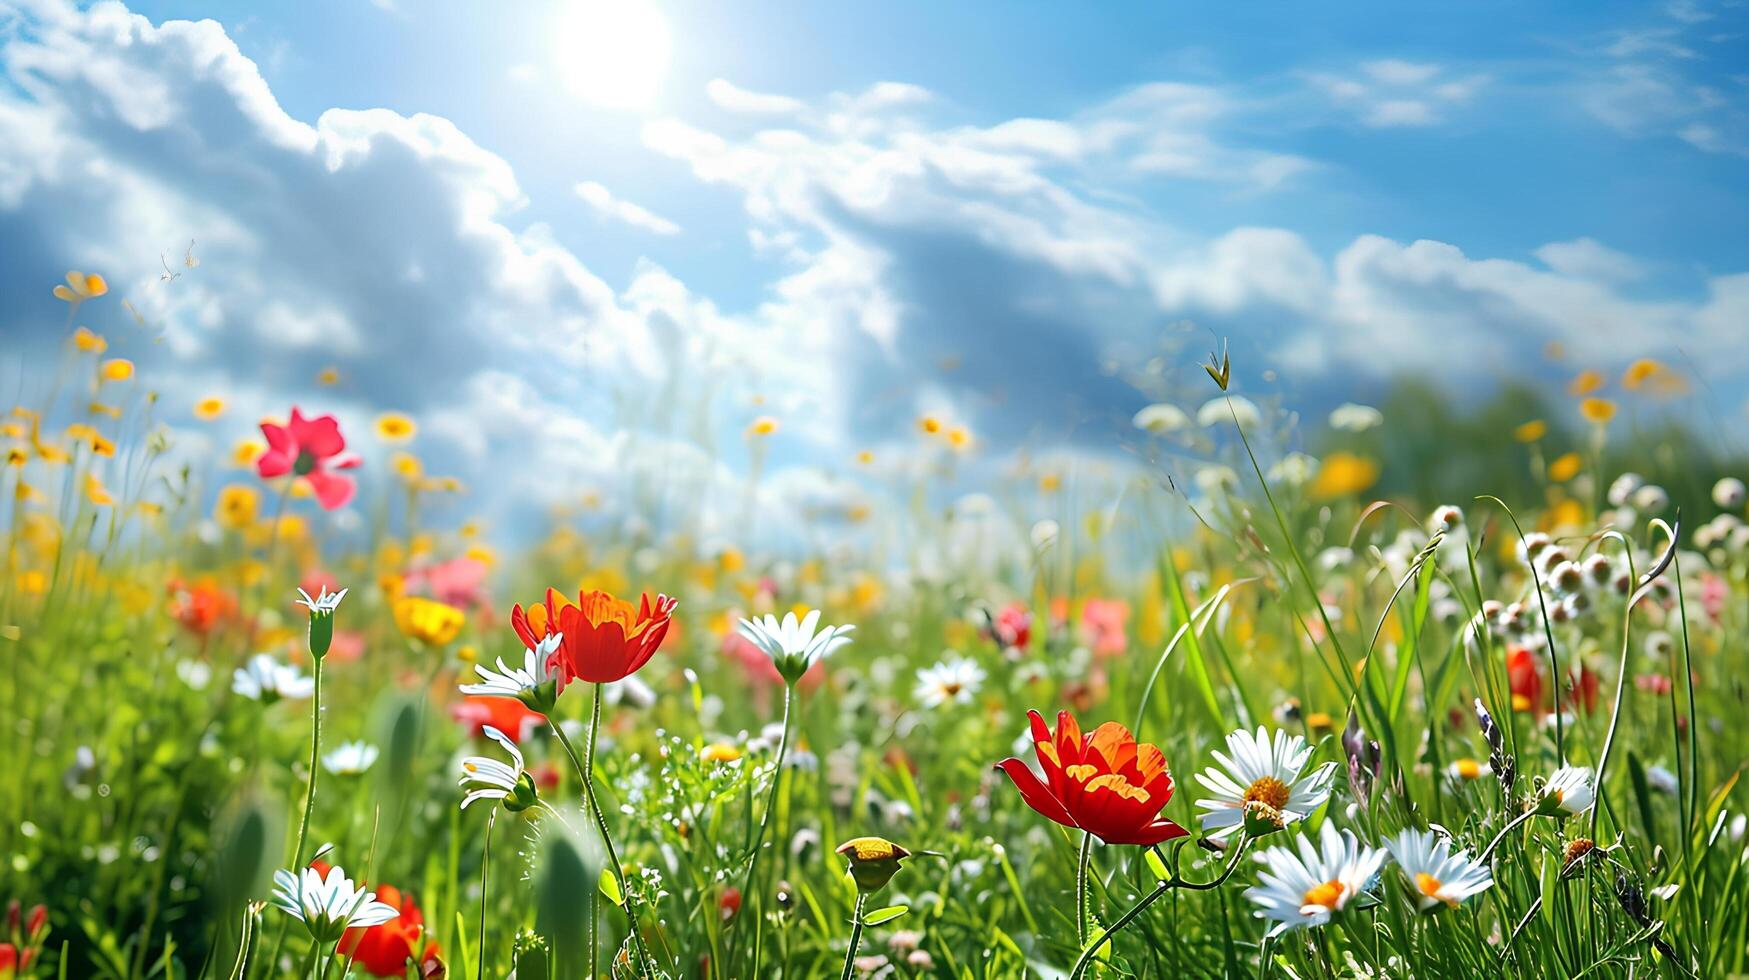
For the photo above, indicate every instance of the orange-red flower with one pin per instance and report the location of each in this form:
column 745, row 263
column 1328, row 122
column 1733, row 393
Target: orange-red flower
column 606, row 639
column 1106, row 784
column 508, row 715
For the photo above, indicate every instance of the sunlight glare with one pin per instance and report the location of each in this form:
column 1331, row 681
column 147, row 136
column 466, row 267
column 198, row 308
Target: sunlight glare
column 612, row 54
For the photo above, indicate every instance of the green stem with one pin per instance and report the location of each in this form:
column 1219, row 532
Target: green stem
column 1489, row 851
column 855, row 938
column 1090, row 949
column 315, row 761
column 586, row 771
column 1081, row 889
column 750, row 891
column 485, row 885
column 297, row 865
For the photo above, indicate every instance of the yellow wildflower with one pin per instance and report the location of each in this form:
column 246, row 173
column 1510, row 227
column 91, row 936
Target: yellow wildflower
column 1598, row 410
column 1343, row 474
column 328, row 377
column 1584, row 383
column 394, row 427
column 246, row 452
column 209, row 408
column 88, row 342
column 764, row 425
column 117, row 369
column 428, row 621
column 81, row 287
column 1531, row 431
column 237, row 507
column 1565, row 468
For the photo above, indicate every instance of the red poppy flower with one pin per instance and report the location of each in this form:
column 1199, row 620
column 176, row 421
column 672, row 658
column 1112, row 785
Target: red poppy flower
column 1106, row 784
column 508, row 715
column 1525, row 680
column 606, row 639
column 312, row 449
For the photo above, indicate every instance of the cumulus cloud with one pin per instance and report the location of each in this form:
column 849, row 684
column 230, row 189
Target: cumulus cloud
column 1008, row 274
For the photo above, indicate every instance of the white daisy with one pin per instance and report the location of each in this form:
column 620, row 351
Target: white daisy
column 794, row 646
column 1350, row 417
column 328, row 907
column 350, row 758
column 488, row 779
column 540, row 666
column 1436, row 872
column 1468, row 770
column 1308, row 887
column 1214, row 412
column 954, row 680
column 1568, row 791
column 1161, row 418
column 265, row 679
column 1262, row 770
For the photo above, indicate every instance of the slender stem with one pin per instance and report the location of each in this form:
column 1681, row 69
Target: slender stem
column 750, row 890
column 315, row 760
column 855, row 938
column 297, row 864
column 585, row 770
column 1489, row 851
column 485, row 885
column 1081, row 889
column 1089, row 949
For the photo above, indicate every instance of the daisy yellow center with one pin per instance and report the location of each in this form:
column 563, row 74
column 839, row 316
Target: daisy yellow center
column 1428, row 884
column 1326, row 895
column 1469, row 768
column 951, row 687
column 1269, row 791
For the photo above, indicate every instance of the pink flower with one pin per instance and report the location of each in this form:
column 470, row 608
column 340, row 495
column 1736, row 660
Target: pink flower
column 1013, row 626
column 459, row 582
column 312, row 449
column 1102, row 625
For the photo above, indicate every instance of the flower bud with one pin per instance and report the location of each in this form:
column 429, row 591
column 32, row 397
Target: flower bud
column 873, row 862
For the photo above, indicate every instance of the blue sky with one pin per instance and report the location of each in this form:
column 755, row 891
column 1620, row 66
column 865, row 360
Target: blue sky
column 1025, row 218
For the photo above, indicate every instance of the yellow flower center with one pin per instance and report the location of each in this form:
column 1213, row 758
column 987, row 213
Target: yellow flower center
column 1117, row 784
column 1469, row 768
column 1326, row 895
column 1269, row 791
column 1428, row 884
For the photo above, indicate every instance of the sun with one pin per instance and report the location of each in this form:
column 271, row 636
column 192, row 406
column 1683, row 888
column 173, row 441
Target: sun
column 612, row 53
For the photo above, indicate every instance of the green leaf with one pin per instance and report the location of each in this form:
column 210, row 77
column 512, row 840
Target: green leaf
column 1156, row 865
column 609, row 886
column 887, row 914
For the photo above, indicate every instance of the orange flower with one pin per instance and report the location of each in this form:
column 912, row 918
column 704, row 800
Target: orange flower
column 1105, row 784
column 1584, row 383
column 606, row 639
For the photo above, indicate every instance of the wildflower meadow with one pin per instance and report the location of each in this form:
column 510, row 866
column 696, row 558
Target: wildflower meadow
column 1303, row 732
column 942, row 563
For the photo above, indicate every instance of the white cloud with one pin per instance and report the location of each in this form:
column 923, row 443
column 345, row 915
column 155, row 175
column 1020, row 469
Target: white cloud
column 1393, row 92
column 1586, row 258
column 1393, row 71
column 732, row 97
column 602, row 202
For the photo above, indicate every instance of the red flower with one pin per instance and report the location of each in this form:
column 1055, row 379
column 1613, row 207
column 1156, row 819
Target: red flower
column 200, row 607
column 383, row 950
column 1106, row 784
column 1013, row 626
column 309, row 448
column 508, row 715
column 606, row 639
column 1525, row 680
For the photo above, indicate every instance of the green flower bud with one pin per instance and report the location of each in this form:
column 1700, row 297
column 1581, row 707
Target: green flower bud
column 873, row 862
